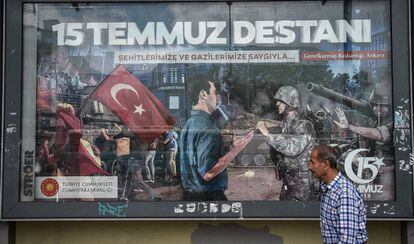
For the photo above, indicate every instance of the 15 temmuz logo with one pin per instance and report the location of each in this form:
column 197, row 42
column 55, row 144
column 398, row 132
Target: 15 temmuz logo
column 367, row 169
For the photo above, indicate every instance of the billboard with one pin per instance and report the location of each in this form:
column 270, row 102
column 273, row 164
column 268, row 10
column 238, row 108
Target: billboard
column 206, row 111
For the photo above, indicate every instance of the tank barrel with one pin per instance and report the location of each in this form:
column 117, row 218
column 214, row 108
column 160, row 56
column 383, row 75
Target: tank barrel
column 340, row 98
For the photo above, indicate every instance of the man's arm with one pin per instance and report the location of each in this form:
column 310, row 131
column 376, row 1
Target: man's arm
column 378, row 134
column 104, row 133
column 165, row 141
column 224, row 162
column 370, row 133
column 289, row 144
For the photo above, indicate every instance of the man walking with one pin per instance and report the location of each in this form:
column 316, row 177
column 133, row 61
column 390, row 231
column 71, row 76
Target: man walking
column 342, row 211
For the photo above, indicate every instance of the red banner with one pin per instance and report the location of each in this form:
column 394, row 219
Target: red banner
column 347, row 55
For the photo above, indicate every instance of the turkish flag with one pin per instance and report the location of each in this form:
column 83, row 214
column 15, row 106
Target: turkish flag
column 134, row 104
column 44, row 94
column 88, row 162
column 68, row 135
column 68, row 129
column 72, row 149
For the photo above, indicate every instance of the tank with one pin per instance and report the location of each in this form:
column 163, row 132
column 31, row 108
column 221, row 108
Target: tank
column 320, row 90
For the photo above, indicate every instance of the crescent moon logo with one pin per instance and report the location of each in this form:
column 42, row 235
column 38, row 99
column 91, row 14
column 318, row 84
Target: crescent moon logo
column 116, row 88
column 363, row 163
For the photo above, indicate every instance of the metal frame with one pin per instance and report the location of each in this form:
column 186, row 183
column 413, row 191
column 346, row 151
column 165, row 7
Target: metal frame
column 13, row 209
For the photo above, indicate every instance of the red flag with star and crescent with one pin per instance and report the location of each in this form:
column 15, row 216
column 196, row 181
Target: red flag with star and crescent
column 134, row 104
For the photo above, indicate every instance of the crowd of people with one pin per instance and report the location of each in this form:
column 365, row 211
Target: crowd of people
column 139, row 166
column 125, row 151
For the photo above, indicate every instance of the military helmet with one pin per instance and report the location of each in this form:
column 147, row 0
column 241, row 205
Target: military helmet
column 289, row 95
column 381, row 94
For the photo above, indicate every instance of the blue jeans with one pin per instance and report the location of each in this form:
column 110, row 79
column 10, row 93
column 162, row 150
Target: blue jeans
column 149, row 165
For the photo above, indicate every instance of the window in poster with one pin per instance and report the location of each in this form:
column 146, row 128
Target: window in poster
column 280, row 82
column 174, row 102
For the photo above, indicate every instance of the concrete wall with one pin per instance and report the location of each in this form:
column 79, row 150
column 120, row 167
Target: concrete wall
column 189, row 232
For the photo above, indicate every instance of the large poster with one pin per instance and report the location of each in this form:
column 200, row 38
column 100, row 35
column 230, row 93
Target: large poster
column 205, row 101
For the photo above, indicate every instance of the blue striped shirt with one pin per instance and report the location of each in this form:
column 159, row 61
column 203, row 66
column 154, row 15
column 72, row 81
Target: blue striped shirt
column 343, row 213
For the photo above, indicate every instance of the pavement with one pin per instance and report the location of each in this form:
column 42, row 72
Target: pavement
column 245, row 184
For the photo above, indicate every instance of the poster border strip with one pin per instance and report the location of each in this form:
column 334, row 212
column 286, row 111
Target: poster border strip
column 12, row 209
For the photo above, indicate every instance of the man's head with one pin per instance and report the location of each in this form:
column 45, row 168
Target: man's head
column 281, row 107
column 322, row 163
column 287, row 99
column 380, row 99
column 123, row 143
column 204, row 95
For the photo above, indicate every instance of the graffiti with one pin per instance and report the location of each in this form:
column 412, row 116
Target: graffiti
column 202, row 207
column 191, row 207
column 402, row 137
column 385, row 208
column 374, row 208
column 401, row 119
column 107, row 209
column 406, row 165
column 225, row 208
column 389, row 209
column 209, row 208
column 11, row 128
column 214, row 207
column 179, row 209
column 405, row 101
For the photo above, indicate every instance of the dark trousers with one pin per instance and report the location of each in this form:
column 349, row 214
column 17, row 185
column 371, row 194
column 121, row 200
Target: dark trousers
column 204, row 196
column 132, row 168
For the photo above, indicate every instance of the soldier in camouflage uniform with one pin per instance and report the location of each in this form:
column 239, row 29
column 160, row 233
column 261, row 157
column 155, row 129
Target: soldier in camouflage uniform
column 376, row 136
column 294, row 145
column 379, row 130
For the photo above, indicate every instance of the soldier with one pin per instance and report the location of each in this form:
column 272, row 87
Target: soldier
column 379, row 131
column 376, row 136
column 294, row 145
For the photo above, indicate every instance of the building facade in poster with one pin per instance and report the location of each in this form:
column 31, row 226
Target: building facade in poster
column 110, row 81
